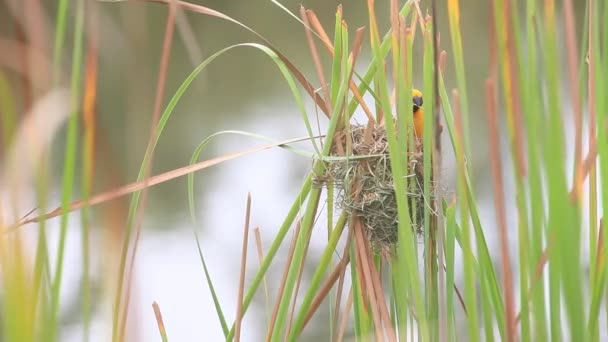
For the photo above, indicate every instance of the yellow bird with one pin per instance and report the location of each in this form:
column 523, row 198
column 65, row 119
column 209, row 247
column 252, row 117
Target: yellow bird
column 418, row 113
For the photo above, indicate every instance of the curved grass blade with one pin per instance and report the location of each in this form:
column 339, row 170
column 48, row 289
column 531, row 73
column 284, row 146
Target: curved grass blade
column 154, row 140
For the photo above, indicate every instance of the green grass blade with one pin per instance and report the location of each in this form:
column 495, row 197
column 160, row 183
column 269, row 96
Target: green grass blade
column 313, row 200
column 216, row 302
column 69, row 169
column 315, row 282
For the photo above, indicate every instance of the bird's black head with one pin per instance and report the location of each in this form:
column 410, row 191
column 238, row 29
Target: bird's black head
column 417, row 102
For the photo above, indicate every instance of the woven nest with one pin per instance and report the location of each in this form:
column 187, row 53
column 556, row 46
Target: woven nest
column 365, row 185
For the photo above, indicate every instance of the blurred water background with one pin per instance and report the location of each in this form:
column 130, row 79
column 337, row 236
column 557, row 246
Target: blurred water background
column 241, row 90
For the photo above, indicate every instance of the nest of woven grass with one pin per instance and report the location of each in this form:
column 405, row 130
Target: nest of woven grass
column 365, row 185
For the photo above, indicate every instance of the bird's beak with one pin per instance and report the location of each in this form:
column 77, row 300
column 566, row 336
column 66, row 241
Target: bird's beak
column 418, row 101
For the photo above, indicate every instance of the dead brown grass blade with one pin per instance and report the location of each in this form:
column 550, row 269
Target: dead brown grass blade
column 364, row 260
column 90, row 96
column 316, row 59
column 12, row 58
column 159, row 321
column 32, row 29
column 499, row 206
column 599, row 254
column 379, row 295
column 347, row 246
column 397, row 36
column 239, row 302
column 150, row 182
column 588, row 166
column 460, row 299
column 443, row 56
column 316, row 25
column 28, row 84
column 419, row 17
column 353, row 87
column 139, row 216
column 458, row 294
column 324, row 290
column 345, row 315
column 89, row 104
column 31, row 17
column 260, row 250
column 513, row 103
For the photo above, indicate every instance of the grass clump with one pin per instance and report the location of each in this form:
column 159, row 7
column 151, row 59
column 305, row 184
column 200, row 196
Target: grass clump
column 365, row 183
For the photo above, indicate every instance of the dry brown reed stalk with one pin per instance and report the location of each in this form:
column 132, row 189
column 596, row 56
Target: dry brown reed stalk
column 239, row 304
